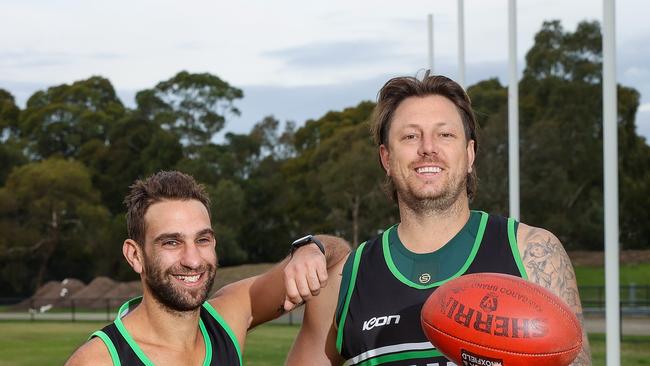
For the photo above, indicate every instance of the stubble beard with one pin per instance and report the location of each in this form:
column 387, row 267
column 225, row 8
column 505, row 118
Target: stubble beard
column 428, row 204
column 168, row 294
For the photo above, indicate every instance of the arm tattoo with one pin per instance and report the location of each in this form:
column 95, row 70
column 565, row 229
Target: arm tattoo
column 584, row 357
column 548, row 265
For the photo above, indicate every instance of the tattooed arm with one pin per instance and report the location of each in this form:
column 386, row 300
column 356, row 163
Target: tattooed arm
column 548, row 265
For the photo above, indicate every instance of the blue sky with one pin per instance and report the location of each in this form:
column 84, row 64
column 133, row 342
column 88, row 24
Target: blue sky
column 293, row 59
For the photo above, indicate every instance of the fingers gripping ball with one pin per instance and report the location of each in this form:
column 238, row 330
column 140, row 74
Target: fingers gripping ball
column 500, row 320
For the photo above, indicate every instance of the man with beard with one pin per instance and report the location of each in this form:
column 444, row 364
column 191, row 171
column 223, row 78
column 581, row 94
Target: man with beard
column 425, row 131
column 172, row 246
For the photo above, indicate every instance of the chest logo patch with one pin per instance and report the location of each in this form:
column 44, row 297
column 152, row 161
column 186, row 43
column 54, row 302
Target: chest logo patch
column 424, row 278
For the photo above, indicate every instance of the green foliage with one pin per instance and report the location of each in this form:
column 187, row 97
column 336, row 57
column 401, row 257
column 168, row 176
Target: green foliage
column 50, row 210
column 193, row 106
column 62, row 119
column 11, row 148
column 561, row 176
column 68, row 158
column 9, row 113
column 228, row 213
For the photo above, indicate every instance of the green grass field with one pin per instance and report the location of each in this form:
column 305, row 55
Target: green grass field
column 629, row 273
column 50, row 343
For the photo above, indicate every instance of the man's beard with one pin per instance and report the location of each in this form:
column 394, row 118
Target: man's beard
column 430, row 203
column 169, row 294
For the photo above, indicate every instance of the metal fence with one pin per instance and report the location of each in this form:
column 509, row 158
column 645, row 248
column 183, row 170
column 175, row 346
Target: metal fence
column 634, row 301
column 83, row 309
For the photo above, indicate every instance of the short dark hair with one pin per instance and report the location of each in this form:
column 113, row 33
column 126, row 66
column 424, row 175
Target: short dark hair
column 396, row 90
column 164, row 185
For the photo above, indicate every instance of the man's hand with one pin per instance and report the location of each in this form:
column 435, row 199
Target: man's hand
column 304, row 275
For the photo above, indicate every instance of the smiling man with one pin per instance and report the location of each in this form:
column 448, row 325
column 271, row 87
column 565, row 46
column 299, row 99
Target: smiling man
column 425, row 132
column 171, row 245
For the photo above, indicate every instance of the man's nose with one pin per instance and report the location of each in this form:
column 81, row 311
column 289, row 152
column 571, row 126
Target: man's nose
column 428, row 146
column 191, row 256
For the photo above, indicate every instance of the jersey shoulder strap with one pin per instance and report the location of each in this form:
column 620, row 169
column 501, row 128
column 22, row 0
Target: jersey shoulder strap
column 119, row 349
column 499, row 251
column 225, row 344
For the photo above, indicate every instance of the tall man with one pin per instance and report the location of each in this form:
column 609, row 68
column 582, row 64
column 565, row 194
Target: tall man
column 172, row 246
column 425, row 131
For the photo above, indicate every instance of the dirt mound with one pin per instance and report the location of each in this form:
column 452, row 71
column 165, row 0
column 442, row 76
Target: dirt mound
column 228, row 275
column 597, row 259
column 121, row 292
column 89, row 294
column 52, row 294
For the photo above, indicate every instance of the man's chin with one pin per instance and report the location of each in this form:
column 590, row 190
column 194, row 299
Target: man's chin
column 178, row 299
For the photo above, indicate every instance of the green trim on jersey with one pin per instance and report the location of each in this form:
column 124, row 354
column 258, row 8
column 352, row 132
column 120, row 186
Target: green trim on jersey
column 351, row 267
column 411, row 355
column 353, row 280
column 408, row 282
column 424, row 268
column 513, row 225
column 138, row 351
column 225, row 327
column 109, row 344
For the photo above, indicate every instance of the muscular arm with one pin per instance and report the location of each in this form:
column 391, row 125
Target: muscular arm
column 93, row 352
column 548, row 265
column 316, row 341
column 253, row 301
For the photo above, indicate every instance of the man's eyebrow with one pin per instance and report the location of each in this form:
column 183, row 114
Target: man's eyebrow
column 205, row 232
column 168, row 236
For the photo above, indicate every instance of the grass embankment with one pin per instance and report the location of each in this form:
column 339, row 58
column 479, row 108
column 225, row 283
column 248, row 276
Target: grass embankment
column 638, row 274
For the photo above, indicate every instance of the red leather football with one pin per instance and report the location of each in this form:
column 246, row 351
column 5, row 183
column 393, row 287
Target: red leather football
column 492, row 319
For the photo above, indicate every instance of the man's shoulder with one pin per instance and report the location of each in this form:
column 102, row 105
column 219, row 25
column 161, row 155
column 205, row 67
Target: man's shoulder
column 93, row 352
column 537, row 244
column 528, row 233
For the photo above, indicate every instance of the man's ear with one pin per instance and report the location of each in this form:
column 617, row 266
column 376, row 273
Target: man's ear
column 384, row 156
column 470, row 156
column 133, row 254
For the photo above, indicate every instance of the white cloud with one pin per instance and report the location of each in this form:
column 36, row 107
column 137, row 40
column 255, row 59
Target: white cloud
column 283, row 43
column 645, row 107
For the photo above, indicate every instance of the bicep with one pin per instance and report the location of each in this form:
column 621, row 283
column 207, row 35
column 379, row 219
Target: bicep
column 547, row 264
column 252, row 301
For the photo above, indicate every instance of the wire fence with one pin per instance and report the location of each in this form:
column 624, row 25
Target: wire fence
column 634, row 301
column 84, row 309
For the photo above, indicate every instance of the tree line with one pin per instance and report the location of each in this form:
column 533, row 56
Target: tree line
column 68, row 157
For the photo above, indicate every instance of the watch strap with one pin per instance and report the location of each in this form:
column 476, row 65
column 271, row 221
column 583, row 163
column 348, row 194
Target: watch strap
column 309, row 239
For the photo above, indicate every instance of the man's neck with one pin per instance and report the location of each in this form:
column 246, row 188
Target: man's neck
column 152, row 323
column 425, row 232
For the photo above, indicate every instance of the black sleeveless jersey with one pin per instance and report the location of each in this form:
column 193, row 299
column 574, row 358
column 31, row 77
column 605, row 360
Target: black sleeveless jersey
column 380, row 322
column 221, row 347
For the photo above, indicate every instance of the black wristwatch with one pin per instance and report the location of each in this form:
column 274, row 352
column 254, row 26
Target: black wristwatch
column 307, row 239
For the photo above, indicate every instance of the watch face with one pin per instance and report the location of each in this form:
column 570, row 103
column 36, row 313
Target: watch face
column 304, row 239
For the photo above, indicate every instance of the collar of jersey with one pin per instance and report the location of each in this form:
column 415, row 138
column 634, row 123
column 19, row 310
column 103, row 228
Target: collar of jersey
column 391, row 265
column 126, row 308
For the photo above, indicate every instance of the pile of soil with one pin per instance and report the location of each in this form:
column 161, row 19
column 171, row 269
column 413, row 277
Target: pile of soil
column 52, row 294
column 229, row 275
column 120, row 293
column 94, row 290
